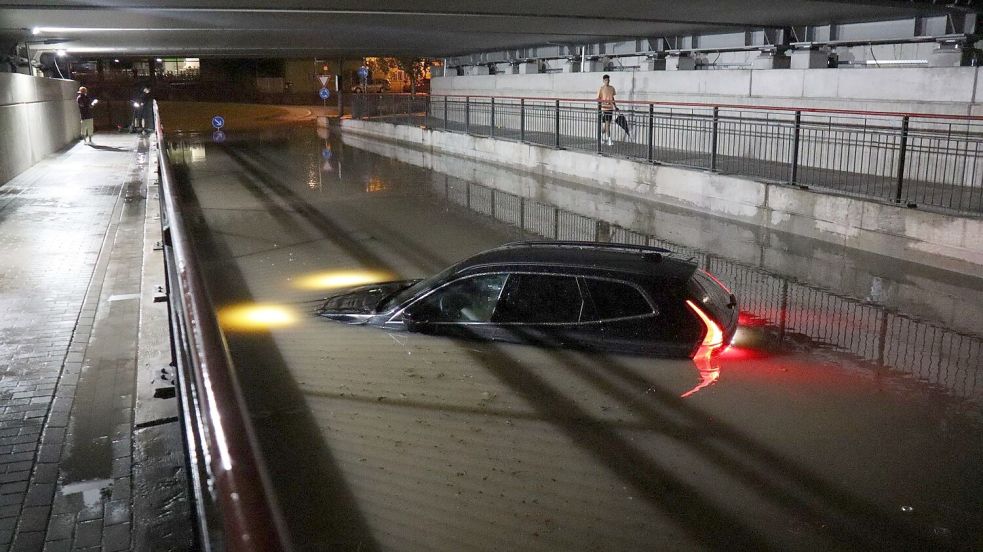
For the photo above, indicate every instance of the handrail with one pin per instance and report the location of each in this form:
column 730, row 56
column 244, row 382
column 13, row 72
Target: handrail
column 250, row 518
column 790, row 110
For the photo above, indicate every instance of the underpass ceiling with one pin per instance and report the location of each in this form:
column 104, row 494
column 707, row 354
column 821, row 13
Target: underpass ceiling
column 305, row 28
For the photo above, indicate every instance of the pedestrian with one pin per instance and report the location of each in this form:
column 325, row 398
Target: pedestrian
column 141, row 107
column 605, row 98
column 85, row 103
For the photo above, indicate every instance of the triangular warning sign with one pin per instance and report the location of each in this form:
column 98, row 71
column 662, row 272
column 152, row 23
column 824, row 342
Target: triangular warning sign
column 323, row 79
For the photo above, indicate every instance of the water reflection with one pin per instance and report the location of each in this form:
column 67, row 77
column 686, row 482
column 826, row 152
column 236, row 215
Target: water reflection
column 708, row 367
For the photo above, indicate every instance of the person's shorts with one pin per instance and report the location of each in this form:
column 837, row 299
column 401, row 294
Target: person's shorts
column 606, row 116
column 86, row 127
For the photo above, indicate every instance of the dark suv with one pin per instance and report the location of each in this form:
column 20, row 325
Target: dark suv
column 601, row 296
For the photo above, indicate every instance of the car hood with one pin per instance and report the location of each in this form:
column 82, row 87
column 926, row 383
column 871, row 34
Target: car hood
column 362, row 299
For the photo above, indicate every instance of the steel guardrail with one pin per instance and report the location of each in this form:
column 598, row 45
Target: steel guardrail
column 232, row 498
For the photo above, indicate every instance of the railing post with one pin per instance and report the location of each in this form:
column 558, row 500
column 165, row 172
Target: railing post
column 467, row 114
column 426, row 112
column 901, row 158
column 522, row 214
column 795, row 148
column 713, row 138
column 597, row 137
column 556, row 141
column 522, row 120
column 445, row 112
column 651, row 136
column 491, row 130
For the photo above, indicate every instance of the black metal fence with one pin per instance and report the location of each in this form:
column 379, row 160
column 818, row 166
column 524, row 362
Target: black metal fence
column 403, row 109
column 794, row 311
column 917, row 160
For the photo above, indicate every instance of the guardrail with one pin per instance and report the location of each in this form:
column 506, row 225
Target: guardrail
column 912, row 159
column 232, row 499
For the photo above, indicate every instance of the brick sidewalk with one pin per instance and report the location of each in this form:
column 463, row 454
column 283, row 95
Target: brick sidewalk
column 72, row 240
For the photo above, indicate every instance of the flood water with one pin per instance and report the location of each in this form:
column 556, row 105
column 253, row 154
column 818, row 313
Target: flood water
column 847, row 415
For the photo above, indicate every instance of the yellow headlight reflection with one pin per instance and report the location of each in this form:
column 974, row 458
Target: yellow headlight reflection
column 342, row 278
column 256, row 317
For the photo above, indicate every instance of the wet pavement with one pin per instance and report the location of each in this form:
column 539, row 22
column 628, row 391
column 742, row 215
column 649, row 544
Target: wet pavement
column 847, row 415
column 72, row 235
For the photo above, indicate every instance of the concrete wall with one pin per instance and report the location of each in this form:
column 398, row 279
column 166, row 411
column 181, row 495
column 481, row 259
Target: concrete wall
column 951, row 243
column 942, row 90
column 37, row 117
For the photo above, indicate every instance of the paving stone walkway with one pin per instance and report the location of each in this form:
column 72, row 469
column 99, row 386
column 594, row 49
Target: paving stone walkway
column 71, row 252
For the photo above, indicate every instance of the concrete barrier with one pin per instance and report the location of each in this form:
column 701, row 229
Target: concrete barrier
column 38, row 116
column 948, row 242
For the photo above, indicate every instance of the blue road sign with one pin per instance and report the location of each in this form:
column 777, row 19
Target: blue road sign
column 363, row 72
column 324, row 93
column 218, row 121
column 218, row 136
column 326, row 153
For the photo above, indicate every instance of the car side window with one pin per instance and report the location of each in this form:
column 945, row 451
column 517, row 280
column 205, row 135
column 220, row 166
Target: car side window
column 540, row 298
column 616, row 299
column 471, row 299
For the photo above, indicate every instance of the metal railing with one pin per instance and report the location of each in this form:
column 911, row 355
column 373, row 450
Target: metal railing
column 232, row 499
column 406, row 109
column 793, row 310
column 911, row 159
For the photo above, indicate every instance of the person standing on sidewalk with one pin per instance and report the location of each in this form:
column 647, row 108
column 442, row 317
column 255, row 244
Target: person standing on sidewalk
column 85, row 104
column 605, row 98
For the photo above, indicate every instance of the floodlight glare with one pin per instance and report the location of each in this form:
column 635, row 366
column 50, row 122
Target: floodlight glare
column 36, row 31
column 61, row 53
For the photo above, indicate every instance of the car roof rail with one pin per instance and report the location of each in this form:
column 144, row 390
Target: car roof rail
column 596, row 245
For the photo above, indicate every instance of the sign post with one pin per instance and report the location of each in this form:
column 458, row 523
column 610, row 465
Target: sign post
column 218, row 122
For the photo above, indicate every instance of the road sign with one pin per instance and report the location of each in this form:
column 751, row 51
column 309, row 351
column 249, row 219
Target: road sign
column 323, row 79
column 218, row 121
column 326, row 153
column 363, row 72
column 218, row 136
column 324, row 93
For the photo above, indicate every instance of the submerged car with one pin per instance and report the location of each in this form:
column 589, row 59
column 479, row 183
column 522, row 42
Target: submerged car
column 585, row 295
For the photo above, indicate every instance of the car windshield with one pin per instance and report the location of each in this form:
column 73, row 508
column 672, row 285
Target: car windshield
column 402, row 296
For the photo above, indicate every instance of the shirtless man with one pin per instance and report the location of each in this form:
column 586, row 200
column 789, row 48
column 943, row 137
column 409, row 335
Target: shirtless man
column 605, row 95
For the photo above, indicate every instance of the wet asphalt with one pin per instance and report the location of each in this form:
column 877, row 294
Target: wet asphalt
column 847, row 415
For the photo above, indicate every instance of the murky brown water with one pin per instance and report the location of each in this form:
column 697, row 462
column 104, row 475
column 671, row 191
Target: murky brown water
column 847, row 416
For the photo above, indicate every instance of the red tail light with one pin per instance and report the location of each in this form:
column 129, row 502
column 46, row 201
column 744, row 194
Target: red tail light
column 714, row 337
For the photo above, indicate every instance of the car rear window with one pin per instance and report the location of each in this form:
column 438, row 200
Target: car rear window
column 616, row 299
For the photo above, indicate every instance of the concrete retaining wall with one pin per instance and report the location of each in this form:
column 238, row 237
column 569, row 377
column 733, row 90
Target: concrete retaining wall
column 952, row 243
column 941, row 90
column 38, row 116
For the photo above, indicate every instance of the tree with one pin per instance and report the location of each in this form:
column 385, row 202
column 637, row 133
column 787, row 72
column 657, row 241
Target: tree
column 415, row 68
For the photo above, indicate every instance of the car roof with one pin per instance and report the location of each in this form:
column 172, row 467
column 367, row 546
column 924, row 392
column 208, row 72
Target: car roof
column 590, row 256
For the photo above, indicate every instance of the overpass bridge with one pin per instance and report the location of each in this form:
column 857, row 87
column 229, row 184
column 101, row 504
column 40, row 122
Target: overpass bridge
column 165, row 384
